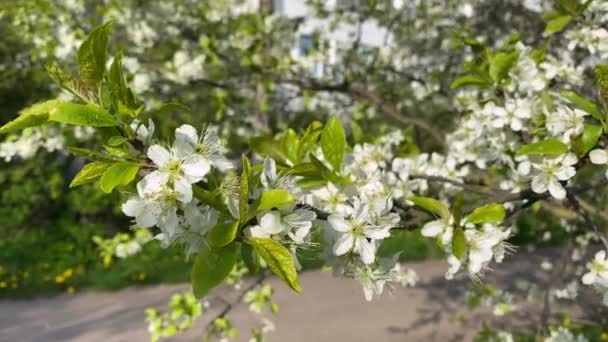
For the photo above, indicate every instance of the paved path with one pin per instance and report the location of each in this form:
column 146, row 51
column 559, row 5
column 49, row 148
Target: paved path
column 328, row 310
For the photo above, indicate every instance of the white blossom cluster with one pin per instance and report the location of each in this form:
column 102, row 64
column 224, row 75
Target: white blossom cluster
column 164, row 196
column 26, row 144
column 597, row 275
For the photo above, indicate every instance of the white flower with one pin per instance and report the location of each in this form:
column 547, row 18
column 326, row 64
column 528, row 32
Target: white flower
column 566, row 122
column 358, row 234
column 144, row 134
column 178, row 167
column 270, row 179
column 549, row 171
column 330, row 199
column 198, row 219
column 207, row 145
column 296, row 224
column 598, row 270
column 153, row 209
column 482, row 244
column 599, row 157
column 564, row 335
column 442, row 228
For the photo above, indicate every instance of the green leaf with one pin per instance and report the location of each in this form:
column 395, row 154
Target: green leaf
column 90, row 172
column 587, row 140
column 333, row 142
column 279, row 260
column 34, row 115
column 356, row 132
column 123, row 99
column 211, row 267
column 558, row 23
column 431, row 205
column 267, row 146
column 289, row 145
column 119, row 174
column 90, row 154
column 489, row 213
column 250, row 257
column 309, row 139
column 274, row 198
column 501, row 63
column 222, row 233
column 457, row 207
column 82, row 115
column 549, row 147
column 467, row 80
column 244, row 194
column 582, row 103
column 116, row 140
column 601, row 71
column 92, row 55
column 459, row 243
column 210, row 198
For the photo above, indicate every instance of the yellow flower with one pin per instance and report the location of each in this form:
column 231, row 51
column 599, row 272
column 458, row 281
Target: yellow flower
column 59, row 279
column 71, row 290
column 2, row 284
column 68, row 273
column 604, row 336
column 142, row 276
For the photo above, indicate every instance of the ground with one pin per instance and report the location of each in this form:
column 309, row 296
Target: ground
column 329, row 309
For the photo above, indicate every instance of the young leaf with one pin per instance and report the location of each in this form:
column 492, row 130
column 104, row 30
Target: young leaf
column 121, row 173
column 586, row 141
column 279, row 260
column 431, row 205
column 92, row 55
column 459, row 243
column 210, row 198
column 211, row 267
column 333, row 143
column 582, row 103
column 289, row 145
column 34, row 115
column 501, row 63
column 309, row 139
column 82, row 115
column 549, row 147
column 222, row 234
column 274, row 198
column 356, row 132
column 489, row 213
column 250, row 257
column 469, row 80
column 90, row 172
column 558, row 23
column 116, row 140
column 244, row 194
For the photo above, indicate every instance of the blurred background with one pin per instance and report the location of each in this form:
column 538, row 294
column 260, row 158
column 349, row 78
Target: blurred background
column 248, row 67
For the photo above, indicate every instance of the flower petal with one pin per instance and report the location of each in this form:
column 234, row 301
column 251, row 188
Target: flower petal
column 196, row 167
column 159, row 155
column 540, row 183
column 271, row 222
column 366, row 250
column 186, row 133
column 184, row 189
column 433, row 228
column 599, row 157
column 338, row 223
column 344, row 244
column 556, row 189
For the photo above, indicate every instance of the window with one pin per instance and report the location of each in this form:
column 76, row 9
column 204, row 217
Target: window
column 277, row 6
column 305, row 45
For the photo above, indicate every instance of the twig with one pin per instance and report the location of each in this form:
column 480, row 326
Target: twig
column 588, row 221
column 230, row 305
